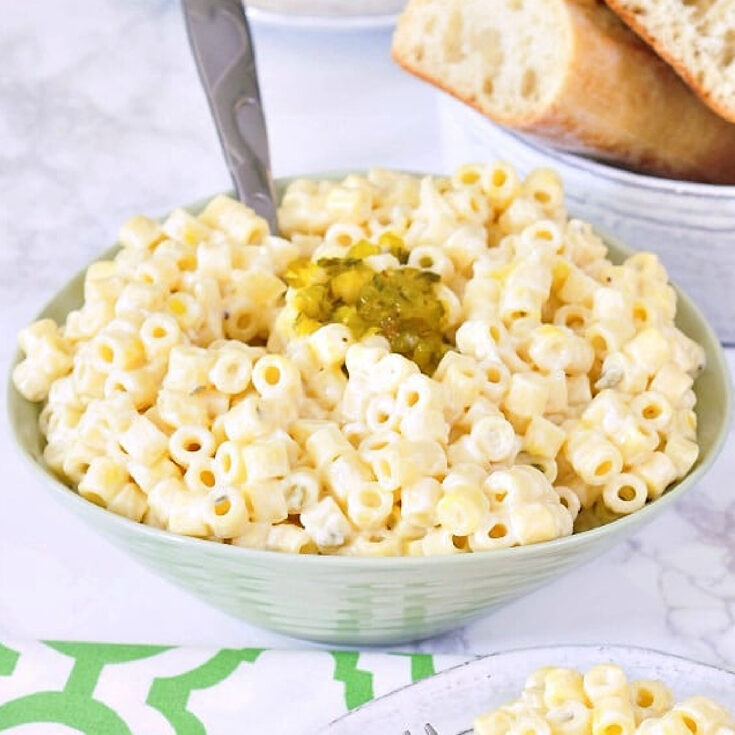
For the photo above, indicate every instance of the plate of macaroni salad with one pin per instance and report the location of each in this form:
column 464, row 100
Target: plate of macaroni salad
column 602, row 701
column 643, row 693
column 415, row 365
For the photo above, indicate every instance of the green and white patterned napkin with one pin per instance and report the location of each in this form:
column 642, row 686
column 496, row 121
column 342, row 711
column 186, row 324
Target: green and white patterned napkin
column 56, row 687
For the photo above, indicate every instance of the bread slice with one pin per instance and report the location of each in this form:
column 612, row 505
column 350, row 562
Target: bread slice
column 696, row 38
column 571, row 73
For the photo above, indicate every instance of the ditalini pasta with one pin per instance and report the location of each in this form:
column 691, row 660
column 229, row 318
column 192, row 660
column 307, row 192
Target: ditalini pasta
column 415, row 366
column 557, row 701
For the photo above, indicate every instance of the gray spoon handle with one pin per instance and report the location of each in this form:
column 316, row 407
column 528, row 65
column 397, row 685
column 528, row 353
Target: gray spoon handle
column 220, row 40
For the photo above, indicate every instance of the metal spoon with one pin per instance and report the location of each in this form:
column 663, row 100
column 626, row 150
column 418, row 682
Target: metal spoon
column 223, row 50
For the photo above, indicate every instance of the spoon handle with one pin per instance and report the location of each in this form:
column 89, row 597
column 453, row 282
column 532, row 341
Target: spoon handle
column 223, row 50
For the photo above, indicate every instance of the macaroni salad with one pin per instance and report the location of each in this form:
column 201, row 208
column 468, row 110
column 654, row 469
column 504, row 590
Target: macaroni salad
column 602, row 701
column 416, row 366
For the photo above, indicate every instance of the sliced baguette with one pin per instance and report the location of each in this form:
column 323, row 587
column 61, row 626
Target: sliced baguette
column 571, row 73
column 696, row 38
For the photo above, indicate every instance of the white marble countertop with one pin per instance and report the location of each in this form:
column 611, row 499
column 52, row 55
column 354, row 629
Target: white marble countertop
column 102, row 116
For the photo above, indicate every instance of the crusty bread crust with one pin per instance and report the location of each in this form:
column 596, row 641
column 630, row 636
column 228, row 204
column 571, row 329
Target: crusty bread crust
column 618, row 101
column 706, row 95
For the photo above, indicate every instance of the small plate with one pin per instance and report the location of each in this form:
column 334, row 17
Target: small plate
column 320, row 22
column 452, row 699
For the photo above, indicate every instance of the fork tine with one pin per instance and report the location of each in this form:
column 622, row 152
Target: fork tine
column 428, row 730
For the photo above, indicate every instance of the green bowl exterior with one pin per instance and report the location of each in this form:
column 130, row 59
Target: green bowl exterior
column 354, row 600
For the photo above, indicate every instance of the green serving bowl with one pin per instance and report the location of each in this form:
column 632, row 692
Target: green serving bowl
column 354, row 600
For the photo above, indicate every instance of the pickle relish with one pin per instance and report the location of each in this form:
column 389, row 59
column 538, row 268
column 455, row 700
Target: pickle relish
column 401, row 304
